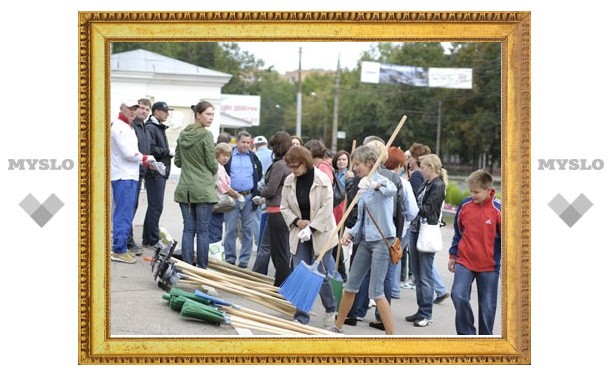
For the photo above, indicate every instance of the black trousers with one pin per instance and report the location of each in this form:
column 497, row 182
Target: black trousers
column 156, row 186
column 279, row 247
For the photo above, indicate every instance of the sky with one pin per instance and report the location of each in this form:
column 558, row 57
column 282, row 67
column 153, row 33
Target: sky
column 284, row 56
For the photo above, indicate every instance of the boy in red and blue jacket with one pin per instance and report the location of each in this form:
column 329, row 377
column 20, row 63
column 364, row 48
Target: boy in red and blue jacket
column 475, row 254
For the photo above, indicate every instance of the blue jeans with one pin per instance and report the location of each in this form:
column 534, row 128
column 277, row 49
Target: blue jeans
column 262, row 261
column 258, row 224
column 215, row 229
column 362, row 301
column 373, row 257
column 422, row 269
column 395, row 281
column 438, row 283
column 305, row 252
column 486, row 285
column 124, row 197
column 246, row 213
column 156, row 186
column 196, row 219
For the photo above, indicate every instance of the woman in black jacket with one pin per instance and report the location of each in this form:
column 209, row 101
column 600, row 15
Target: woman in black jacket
column 276, row 232
column 430, row 198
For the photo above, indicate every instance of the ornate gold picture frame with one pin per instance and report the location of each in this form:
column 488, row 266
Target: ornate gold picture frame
column 98, row 29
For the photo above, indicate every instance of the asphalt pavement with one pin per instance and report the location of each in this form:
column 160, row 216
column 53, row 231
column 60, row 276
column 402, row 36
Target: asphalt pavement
column 138, row 309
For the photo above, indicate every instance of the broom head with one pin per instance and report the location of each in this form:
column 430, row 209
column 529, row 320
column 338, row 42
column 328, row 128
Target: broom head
column 196, row 310
column 302, row 286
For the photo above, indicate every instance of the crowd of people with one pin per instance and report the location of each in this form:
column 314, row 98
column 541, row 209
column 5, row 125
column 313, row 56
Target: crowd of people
column 283, row 195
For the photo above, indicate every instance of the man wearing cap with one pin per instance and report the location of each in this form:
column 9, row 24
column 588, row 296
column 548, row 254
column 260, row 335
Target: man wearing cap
column 155, row 182
column 143, row 146
column 125, row 167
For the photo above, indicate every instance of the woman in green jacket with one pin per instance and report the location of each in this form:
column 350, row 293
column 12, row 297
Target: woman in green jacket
column 195, row 192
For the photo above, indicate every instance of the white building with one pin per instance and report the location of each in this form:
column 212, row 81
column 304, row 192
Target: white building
column 141, row 73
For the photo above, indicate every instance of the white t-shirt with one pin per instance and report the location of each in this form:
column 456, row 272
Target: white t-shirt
column 125, row 157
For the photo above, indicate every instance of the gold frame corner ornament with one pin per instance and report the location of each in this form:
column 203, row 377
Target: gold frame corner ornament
column 98, row 29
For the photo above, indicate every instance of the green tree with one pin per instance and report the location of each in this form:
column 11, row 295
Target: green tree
column 473, row 117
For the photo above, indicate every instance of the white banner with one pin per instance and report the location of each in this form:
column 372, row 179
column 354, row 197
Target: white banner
column 242, row 106
column 378, row 73
column 458, row 78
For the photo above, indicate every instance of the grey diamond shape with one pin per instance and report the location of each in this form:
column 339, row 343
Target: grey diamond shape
column 53, row 204
column 570, row 216
column 41, row 216
column 582, row 204
column 558, row 204
column 41, row 213
column 29, row 204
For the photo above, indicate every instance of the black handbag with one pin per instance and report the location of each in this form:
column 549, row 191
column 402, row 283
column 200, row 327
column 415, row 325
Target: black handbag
column 339, row 191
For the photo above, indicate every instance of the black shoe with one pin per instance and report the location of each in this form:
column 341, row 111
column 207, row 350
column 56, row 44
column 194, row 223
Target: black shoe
column 350, row 321
column 377, row 325
column 136, row 250
column 412, row 318
column 441, row 298
column 244, row 266
column 152, row 247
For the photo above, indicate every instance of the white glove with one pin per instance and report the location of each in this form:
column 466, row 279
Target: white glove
column 258, row 200
column 366, row 184
column 304, row 234
column 149, row 159
column 240, row 199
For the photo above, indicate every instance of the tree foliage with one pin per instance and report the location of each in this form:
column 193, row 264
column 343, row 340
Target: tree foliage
column 470, row 119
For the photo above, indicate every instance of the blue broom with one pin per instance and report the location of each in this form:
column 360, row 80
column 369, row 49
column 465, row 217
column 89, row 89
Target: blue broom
column 304, row 283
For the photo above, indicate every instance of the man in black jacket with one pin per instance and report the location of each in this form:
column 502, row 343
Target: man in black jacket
column 144, row 107
column 155, row 183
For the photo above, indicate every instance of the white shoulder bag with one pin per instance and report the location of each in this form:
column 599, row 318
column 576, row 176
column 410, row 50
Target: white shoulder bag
column 430, row 236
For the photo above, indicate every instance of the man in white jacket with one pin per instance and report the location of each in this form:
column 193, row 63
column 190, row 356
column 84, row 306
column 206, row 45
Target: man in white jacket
column 125, row 162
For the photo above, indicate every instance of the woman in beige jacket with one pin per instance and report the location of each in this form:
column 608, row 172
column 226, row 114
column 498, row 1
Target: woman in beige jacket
column 307, row 208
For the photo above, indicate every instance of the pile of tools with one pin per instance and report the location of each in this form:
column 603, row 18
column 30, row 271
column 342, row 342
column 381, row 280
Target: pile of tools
column 212, row 310
column 169, row 271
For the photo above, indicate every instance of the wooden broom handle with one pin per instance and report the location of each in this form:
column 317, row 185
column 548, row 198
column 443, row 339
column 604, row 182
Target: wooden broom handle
column 330, row 240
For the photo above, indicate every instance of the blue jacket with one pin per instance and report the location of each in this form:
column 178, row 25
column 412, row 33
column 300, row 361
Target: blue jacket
column 380, row 203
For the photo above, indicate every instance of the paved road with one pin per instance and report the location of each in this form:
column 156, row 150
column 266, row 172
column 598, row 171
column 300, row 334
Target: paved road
column 137, row 307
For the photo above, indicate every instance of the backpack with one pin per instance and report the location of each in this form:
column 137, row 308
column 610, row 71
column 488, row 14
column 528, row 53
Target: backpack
column 339, row 191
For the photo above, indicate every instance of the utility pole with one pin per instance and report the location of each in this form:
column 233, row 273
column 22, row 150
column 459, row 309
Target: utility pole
column 439, row 128
column 298, row 121
column 334, row 139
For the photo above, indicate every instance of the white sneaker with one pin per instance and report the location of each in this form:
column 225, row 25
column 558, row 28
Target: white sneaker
column 329, row 319
column 334, row 329
column 422, row 322
column 408, row 285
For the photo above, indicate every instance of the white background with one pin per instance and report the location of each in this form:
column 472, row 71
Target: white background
column 39, row 81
